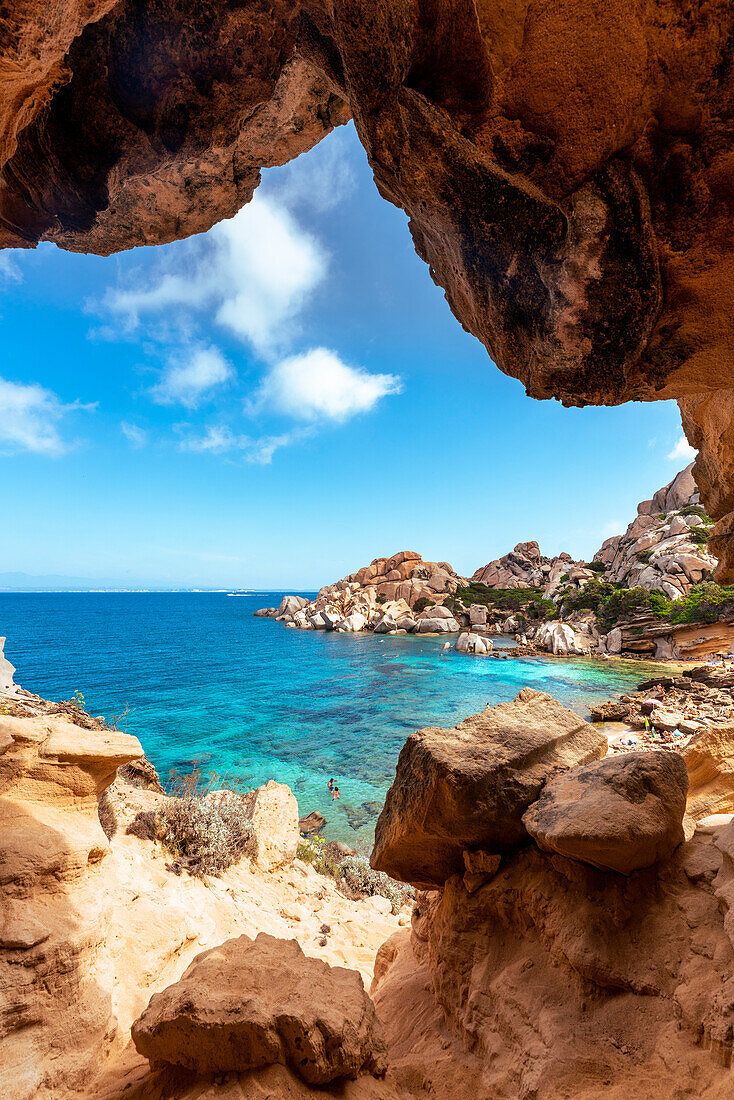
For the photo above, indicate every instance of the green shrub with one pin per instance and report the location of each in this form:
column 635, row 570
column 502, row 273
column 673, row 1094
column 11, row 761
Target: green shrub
column 360, row 877
column 565, row 577
column 645, row 555
column 707, row 602
column 696, row 510
column 699, row 535
column 315, row 851
column 381, row 598
column 596, row 566
column 422, row 603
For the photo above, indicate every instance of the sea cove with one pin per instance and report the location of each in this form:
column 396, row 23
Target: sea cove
column 207, row 681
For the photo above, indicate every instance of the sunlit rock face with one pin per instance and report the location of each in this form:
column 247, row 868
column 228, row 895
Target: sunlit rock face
column 568, row 168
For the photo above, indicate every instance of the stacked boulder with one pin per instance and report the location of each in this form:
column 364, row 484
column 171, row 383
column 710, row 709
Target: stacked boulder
column 526, row 567
column 526, row 769
column 401, row 594
column 664, row 547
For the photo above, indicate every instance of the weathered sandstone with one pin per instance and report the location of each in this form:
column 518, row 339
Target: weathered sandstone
column 469, row 786
column 709, row 759
column 54, row 971
column 251, row 1003
column 618, row 814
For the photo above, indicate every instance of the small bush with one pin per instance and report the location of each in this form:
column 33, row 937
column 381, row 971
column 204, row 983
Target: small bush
column 596, row 566
column 645, row 555
column 699, row 535
column 565, row 577
column 422, row 603
column 696, row 510
column 206, row 837
column 360, row 877
column 316, row 851
column 380, row 598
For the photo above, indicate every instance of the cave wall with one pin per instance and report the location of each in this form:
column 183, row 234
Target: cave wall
column 567, row 166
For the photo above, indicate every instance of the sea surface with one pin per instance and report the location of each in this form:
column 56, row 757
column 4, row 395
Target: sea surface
column 205, row 681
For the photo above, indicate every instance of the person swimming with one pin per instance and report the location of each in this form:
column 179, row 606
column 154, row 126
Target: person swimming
column 330, row 784
column 336, row 793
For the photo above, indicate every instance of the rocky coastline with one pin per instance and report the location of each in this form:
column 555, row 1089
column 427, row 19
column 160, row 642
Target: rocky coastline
column 122, row 952
column 646, row 593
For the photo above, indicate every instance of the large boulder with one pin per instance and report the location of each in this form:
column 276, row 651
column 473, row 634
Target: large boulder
column 7, row 686
column 468, row 642
column 289, row 605
column 276, row 835
column 617, row 814
column 561, row 639
column 247, row 1004
column 709, row 760
column 468, row 787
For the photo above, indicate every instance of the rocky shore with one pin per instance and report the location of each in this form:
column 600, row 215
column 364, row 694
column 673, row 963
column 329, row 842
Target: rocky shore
column 122, row 953
column 644, row 593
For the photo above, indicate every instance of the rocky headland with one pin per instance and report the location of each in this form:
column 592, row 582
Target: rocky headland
column 646, row 593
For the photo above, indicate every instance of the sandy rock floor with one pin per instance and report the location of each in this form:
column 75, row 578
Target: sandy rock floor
column 160, row 921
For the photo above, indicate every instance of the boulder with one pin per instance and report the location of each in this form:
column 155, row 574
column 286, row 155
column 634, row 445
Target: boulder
column 265, row 612
column 274, row 812
column 473, row 643
column 289, row 605
column 478, row 615
column 352, row 623
column 614, row 640
column 665, row 720
column 709, row 760
column 617, row 814
column 437, row 625
column 7, row 686
column 561, row 639
column 467, row 787
column 311, row 824
column 248, row 1004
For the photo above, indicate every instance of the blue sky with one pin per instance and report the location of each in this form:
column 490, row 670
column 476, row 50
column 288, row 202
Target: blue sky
column 276, row 402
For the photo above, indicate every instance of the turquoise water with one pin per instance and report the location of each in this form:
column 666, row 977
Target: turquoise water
column 206, row 681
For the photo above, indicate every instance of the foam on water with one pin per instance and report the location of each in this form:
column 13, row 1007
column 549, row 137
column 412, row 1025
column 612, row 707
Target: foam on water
column 245, row 696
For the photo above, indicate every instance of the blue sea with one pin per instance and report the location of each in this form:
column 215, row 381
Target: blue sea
column 205, row 681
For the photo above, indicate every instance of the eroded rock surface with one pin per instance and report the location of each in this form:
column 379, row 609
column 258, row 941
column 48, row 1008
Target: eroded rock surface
column 247, row 1004
column 618, row 814
column 54, row 973
column 469, row 786
column 567, row 169
column 555, row 979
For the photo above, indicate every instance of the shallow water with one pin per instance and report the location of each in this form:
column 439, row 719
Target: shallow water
column 206, row 681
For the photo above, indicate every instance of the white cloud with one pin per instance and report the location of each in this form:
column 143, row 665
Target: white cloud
column 318, row 180
column 317, row 385
column 137, row 437
column 254, row 271
column 29, row 419
column 683, row 451
column 190, row 377
column 220, row 439
column 9, row 270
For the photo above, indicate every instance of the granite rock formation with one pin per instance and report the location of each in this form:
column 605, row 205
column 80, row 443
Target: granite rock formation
column 54, row 970
column 666, row 545
column 567, row 169
column 390, row 594
column 526, row 567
